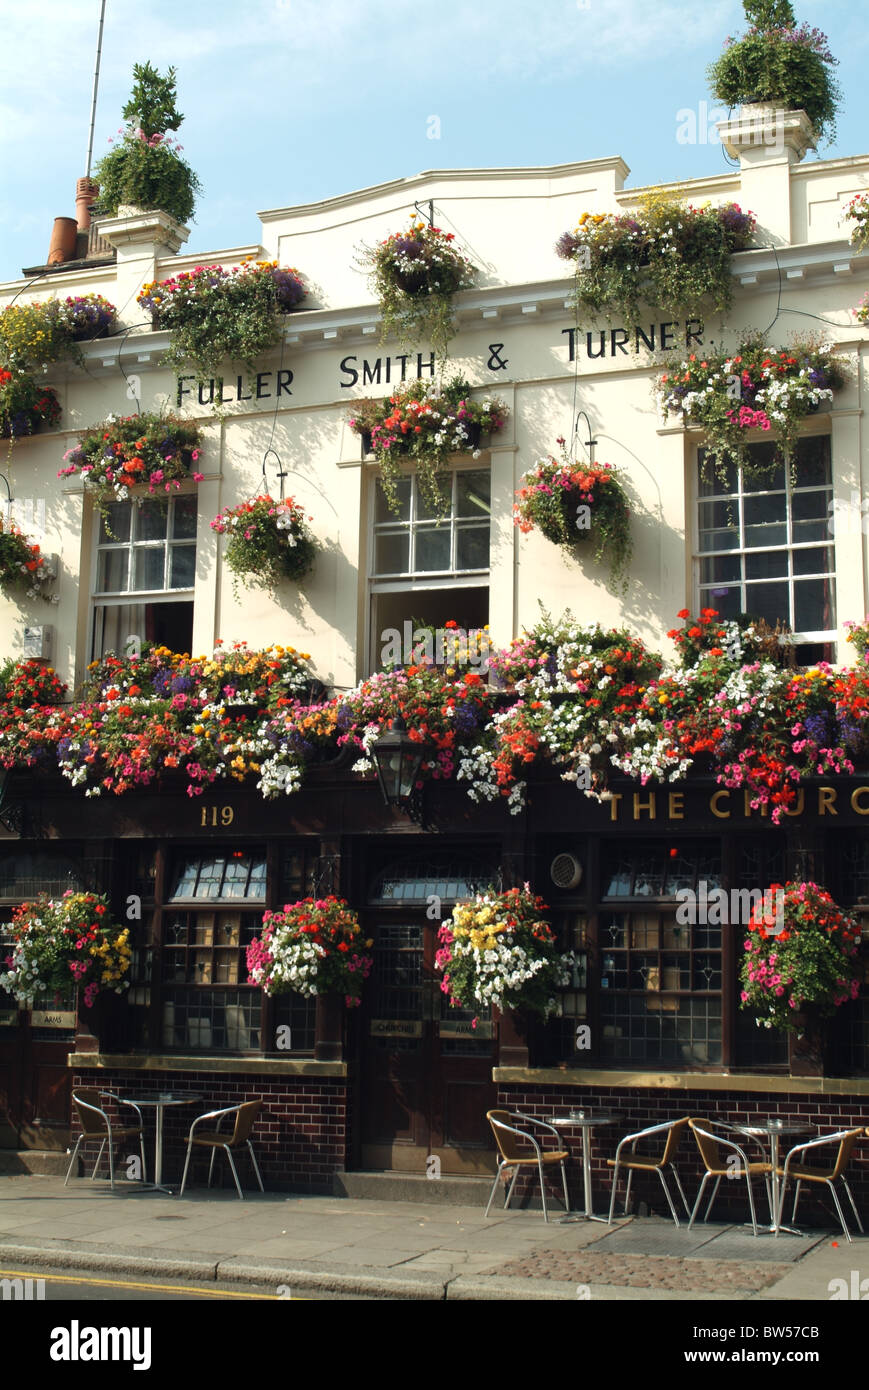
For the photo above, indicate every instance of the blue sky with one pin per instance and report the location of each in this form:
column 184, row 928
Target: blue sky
column 290, row 101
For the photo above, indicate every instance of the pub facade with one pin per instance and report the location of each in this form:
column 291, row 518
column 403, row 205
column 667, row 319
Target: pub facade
column 650, row 1023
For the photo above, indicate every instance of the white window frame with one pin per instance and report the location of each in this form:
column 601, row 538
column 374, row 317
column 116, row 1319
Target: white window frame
column 706, row 600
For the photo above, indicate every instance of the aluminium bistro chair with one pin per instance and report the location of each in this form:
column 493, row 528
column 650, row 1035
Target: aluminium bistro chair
column 214, row 1139
column 717, row 1167
column 642, row 1163
column 512, row 1154
column 805, row 1172
column 96, row 1124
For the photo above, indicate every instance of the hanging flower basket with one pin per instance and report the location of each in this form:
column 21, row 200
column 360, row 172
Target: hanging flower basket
column 25, row 405
column 757, row 387
column 671, row 256
column 269, row 541
column 21, row 563
column 857, row 212
column 312, row 947
column 217, row 315
column 88, row 316
column 424, row 421
column 573, row 503
column 119, row 457
column 498, row 949
column 414, row 275
column 66, row 941
column 799, row 961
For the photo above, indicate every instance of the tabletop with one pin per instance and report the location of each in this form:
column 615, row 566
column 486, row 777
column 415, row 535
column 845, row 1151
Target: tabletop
column 586, row 1119
column 167, row 1099
column 774, row 1127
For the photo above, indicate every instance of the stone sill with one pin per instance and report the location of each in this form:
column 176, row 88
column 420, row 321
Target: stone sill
column 247, row 1066
column 684, row 1081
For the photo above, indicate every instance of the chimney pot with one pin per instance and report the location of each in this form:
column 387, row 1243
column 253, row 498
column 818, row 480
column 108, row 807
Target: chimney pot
column 63, row 241
column 85, row 194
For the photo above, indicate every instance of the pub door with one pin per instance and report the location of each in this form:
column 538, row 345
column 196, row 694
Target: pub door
column 35, row 1081
column 426, row 1071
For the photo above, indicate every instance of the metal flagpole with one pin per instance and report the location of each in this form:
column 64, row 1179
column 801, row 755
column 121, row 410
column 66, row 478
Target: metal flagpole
column 94, row 96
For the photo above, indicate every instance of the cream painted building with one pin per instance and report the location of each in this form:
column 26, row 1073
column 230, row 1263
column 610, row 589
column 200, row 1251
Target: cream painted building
column 517, row 338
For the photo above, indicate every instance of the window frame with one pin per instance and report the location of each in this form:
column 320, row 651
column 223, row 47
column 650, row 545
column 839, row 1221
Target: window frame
column 703, row 596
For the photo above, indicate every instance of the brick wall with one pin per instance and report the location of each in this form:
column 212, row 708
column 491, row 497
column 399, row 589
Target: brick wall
column 641, row 1108
column 299, row 1138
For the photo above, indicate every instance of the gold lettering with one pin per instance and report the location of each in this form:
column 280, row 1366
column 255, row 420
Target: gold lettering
column 713, row 805
column 861, row 810
column 676, row 806
column 826, row 800
column 747, row 806
column 640, row 805
column 800, row 806
column 614, row 805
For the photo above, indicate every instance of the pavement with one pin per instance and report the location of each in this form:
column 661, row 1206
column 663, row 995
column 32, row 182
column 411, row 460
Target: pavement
column 406, row 1250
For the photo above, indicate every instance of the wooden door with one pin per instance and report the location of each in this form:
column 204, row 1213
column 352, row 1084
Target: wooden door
column 426, row 1072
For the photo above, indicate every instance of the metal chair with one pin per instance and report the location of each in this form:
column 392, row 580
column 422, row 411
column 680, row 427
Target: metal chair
column 512, row 1154
column 245, row 1117
column 674, row 1130
column 96, row 1124
column 802, row 1172
column 717, row 1167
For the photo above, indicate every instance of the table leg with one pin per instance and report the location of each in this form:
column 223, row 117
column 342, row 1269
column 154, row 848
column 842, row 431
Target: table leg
column 158, row 1149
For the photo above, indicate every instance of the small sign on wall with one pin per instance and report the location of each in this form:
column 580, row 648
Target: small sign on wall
column 53, row 1018
column 8, row 1018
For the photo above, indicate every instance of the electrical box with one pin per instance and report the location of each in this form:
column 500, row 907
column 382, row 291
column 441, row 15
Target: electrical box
column 37, row 643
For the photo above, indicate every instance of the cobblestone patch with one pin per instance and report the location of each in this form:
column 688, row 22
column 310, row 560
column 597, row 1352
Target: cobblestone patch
column 646, row 1271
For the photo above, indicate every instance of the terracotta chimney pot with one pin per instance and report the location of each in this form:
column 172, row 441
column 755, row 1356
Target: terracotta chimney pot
column 85, row 194
column 63, row 241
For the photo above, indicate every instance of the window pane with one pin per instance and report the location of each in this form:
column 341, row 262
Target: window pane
column 383, row 512
column 804, row 531
column 814, row 610
column 719, row 568
column 764, row 520
column 182, row 566
column 765, row 482
column 151, row 521
column 806, row 505
column 184, row 518
column 715, row 481
column 473, row 494
column 116, row 526
column 391, row 552
column 766, row 564
column 112, row 575
column 813, row 461
column 726, row 599
column 433, row 549
column 425, row 511
column 816, row 561
column 768, row 601
column 148, row 573
column 472, row 547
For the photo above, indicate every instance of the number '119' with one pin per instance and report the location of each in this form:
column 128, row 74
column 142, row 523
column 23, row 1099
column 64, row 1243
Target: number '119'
column 210, row 815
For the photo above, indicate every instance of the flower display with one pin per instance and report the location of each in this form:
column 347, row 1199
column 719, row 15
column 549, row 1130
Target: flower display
column 667, row 255
column 145, row 168
column 571, row 502
column 24, row 684
column 217, row 315
column 586, row 701
column 269, row 541
column 781, row 62
column 857, row 212
column 59, row 943
column 35, row 334
column 858, row 634
column 87, row 316
column 425, row 421
column 756, row 387
column 499, row 949
column 25, row 405
column 311, row 947
column 145, row 450
column 415, row 274
column 21, row 562
column 802, row 964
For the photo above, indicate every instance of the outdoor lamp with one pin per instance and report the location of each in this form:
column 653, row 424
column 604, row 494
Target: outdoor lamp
column 398, row 759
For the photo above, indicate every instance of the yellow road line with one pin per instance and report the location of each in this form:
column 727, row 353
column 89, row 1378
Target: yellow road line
column 126, row 1284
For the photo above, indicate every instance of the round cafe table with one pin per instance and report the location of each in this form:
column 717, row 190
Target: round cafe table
column 774, row 1130
column 160, row 1100
column 585, row 1120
